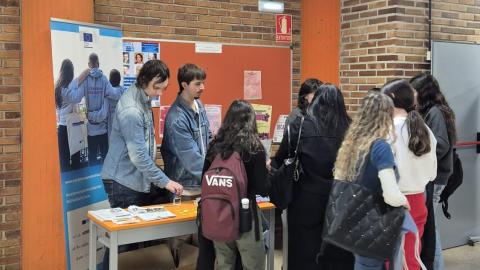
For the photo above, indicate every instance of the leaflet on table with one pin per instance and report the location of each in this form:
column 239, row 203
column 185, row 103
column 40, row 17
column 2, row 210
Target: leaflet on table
column 111, row 214
column 149, row 216
column 121, row 216
column 261, row 199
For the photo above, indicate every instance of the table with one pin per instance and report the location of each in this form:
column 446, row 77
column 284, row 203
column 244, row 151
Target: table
column 112, row 235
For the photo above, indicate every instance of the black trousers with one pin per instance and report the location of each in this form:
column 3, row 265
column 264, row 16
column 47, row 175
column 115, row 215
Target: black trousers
column 428, row 239
column 97, row 146
column 67, row 162
column 306, row 215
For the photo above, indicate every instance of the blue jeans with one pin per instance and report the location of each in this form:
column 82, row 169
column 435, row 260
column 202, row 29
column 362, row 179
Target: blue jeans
column 367, row 263
column 438, row 263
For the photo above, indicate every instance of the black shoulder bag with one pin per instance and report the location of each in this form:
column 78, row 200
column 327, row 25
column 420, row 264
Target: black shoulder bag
column 282, row 179
column 358, row 220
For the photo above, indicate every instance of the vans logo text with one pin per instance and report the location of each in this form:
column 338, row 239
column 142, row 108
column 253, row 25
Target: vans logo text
column 219, row 181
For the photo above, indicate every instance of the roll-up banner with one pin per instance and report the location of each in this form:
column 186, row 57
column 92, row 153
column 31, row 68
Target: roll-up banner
column 84, row 58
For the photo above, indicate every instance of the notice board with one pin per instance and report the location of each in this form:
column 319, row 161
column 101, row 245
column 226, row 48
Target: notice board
column 225, row 74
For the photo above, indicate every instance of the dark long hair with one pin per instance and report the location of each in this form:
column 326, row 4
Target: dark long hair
column 238, row 132
column 402, row 94
column 65, row 77
column 150, row 70
column 328, row 109
column 428, row 96
column 310, row 85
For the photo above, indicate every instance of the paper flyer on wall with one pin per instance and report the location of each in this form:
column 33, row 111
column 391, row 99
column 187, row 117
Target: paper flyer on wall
column 263, row 114
column 279, row 128
column 163, row 115
column 134, row 55
column 214, row 115
column 78, row 48
column 252, row 84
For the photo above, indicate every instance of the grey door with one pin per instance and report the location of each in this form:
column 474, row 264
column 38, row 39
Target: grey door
column 457, row 68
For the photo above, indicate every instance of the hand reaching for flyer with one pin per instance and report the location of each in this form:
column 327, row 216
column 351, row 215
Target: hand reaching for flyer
column 174, row 187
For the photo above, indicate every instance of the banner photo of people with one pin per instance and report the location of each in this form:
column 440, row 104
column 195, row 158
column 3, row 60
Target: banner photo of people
column 87, row 72
column 135, row 54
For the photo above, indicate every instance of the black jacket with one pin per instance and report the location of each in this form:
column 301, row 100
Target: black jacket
column 306, row 213
column 317, row 154
column 436, row 122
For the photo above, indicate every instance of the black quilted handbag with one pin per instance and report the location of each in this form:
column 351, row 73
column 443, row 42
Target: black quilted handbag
column 358, row 220
column 282, row 179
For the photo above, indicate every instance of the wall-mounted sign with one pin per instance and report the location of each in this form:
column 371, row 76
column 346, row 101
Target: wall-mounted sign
column 283, row 28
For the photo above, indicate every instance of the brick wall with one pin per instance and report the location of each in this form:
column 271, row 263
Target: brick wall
column 380, row 39
column 10, row 145
column 226, row 21
column 386, row 39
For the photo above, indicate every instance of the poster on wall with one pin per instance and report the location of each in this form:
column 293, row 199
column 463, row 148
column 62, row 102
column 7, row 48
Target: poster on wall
column 263, row 115
column 134, row 55
column 252, row 84
column 163, row 116
column 279, row 128
column 214, row 115
column 84, row 56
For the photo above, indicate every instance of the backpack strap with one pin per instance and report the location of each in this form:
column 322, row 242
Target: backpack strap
column 255, row 217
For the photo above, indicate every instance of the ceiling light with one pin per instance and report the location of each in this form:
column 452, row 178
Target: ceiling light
column 270, row 6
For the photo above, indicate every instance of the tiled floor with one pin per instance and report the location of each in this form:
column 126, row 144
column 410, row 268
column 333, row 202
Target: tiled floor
column 459, row 258
column 155, row 258
column 462, row 258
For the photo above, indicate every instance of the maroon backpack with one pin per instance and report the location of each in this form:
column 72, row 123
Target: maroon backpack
column 224, row 184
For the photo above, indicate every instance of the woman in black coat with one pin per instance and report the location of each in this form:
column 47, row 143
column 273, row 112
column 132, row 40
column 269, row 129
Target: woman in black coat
column 323, row 129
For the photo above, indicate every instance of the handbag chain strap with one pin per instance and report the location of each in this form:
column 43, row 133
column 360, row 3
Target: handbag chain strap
column 298, row 139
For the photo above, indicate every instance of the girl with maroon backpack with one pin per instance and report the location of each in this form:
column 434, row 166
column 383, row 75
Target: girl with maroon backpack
column 237, row 138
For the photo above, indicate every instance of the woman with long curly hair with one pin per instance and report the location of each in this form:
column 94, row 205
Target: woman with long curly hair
column 440, row 118
column 365, row 148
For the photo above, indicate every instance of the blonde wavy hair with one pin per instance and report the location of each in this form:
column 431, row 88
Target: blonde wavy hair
column 373, row 121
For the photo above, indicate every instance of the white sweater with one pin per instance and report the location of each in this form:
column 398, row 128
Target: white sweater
column 415, row 172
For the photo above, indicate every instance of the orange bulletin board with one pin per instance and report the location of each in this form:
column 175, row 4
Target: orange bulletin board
column 225, row 74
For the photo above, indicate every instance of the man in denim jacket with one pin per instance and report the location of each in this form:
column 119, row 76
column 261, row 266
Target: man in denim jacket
column 187, row 132
column 185, row 139
column 130, row 161
column 129, row 172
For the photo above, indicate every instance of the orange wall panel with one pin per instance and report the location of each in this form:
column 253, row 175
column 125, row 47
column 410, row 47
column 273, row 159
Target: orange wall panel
column 320, row 40
column 43, row 243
